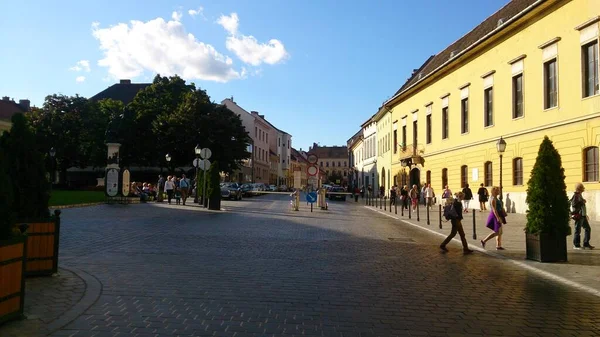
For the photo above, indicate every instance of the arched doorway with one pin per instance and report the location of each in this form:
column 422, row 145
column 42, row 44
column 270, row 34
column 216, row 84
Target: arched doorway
column 382, row 186
column 415, row 177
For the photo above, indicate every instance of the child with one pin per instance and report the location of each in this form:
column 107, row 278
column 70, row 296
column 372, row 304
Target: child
column 177, row 197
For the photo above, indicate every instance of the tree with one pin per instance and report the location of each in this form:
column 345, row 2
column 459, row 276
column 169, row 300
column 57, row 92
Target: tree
column 547, row 194
column 214, row 186
column 6, row 201
column 26, row 169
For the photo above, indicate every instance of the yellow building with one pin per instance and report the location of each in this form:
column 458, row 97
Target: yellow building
column 529, row 70
column 383, row 120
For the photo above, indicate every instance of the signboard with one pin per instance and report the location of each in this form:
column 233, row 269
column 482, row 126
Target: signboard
column 125, row 183
column 312, row 170
column 196, row 162
column 311, row 197
column 205, row 153
column 112, row 182
column 204, row 164
column 312, row 158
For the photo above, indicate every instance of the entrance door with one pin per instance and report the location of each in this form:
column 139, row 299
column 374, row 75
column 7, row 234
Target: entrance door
column 415, row 177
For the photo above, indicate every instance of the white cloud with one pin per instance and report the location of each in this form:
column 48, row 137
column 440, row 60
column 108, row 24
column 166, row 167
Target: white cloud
column 163, row 47
column 176, row 16
column 83, row 65
column 80, row 79
column 247, row 48
column 194, row 12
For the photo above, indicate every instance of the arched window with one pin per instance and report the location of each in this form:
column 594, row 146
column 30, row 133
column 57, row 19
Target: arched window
column 487, row 174
column 428, row 177
column 464, row 176
column 444, row 177
column 518, row 171
column 590, row 164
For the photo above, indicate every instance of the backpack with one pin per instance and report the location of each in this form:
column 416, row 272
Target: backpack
column 450, row 212
column 575, row 212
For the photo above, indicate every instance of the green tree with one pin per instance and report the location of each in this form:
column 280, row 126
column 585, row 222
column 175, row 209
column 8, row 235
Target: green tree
column 26, row 169
column 214, row 186
column 6, row 201
column 547, row 194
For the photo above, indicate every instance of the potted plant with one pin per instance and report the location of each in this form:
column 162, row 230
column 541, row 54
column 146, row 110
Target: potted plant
column 31, row 194
column 12, row 251
column 547, row 224
column 214, row 187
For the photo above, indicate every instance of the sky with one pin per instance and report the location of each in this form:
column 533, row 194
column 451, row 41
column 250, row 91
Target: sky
column 317, row 69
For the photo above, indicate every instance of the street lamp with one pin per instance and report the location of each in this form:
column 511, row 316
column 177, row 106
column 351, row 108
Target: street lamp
column 197, row 150
column 168, row 159
column 52, row 154
column 501, row 147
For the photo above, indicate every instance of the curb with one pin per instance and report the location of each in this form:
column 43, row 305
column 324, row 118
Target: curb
column 539, row 272
column 77, row 205
column 93, row 289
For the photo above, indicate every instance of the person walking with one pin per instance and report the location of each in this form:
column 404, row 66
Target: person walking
column 495, row 220
column 404, row 197
column 429, row 195
column 456, row 221
column 423, row 197
column 161, row 188
column 579, row 214
column 169, row 187
column 414, row 197
column 447, row 193
column 483, row 194
column 184, row 187
column 468, row 195
column 393, row 195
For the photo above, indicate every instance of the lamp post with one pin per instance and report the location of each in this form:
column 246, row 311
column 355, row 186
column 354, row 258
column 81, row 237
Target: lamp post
column 168, row 159
column 501, row 147
column 52, row 154
column 197, row 151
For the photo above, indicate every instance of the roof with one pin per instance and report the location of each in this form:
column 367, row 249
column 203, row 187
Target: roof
column 297, row 155
column 124, row 92
column 9, row 108
column 330, row 151
column 509, row 11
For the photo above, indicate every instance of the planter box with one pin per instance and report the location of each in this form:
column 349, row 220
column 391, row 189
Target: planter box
column 12, row 278
column 41, row 257
column 546, row 247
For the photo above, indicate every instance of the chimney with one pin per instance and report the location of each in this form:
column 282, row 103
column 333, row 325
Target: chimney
column 25, row 103
column 232, row 99
column 255, row 113
column 6, row 98
column 125, row 82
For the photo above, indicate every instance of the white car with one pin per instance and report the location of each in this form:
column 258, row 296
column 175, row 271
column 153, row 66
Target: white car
column 272, row 188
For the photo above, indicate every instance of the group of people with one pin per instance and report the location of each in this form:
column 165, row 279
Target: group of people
column 175, row 187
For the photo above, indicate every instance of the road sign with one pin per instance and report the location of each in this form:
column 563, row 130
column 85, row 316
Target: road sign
column 196, row 162
column 312, row 158
column 312, row 170
column 204, row 164
column 205, row 153
column 311, row 197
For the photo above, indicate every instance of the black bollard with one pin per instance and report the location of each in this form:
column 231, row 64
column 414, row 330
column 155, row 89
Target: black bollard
column 427, row 208
column 410, row 213
column 418, row 215
column 384, row 204
column 391, row 204
column 395, row 208
column 402, row 210
column 474, row 228
column 440, row 207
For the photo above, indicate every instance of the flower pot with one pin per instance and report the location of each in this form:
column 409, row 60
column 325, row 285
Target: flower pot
column 12, row 278
column 546, row 247
column 42, row 246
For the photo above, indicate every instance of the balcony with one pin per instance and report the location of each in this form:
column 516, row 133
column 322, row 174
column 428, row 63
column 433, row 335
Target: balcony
column 411, row 154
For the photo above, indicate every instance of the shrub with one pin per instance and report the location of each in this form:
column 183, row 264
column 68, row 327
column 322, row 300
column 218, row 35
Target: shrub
column 547, row 194
column 213, row 181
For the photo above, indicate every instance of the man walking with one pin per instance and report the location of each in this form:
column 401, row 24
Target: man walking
column 184, row 187
column 455, row 216
column 161, row 188
column 579, row 214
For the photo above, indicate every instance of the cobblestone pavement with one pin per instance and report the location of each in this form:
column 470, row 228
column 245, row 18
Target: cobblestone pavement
column 46, row 299
column 260, row 269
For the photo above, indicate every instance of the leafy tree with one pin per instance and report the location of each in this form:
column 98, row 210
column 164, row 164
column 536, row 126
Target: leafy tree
column 26, row 169
column 214, row 186
column 6, row 191
column 547, row 194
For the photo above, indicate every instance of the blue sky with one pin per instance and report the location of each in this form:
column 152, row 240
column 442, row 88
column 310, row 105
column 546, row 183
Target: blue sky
column 332, row 66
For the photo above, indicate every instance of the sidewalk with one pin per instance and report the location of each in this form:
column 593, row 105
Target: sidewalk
column 582, row 269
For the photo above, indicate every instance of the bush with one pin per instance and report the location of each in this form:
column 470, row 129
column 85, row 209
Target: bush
column 547, row 194
column 26, row 170
column 214, row 181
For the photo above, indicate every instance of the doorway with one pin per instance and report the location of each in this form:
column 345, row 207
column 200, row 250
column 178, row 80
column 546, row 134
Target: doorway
column 415, row 177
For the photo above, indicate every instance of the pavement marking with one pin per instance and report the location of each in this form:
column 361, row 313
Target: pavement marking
column 540, row 272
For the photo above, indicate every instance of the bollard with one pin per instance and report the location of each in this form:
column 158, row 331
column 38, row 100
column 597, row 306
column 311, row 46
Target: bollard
column 391, row 204
column 427, row 208
column 402, row 210
column 440, row 207
column 311, row 207
column 410, row 213
column 380, row 203
column 418, row 215
column 396, row 208
column 384, row 204
column 474, row 228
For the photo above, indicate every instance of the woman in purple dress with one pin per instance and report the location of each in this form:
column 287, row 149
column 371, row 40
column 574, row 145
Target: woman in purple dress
column 495, row 220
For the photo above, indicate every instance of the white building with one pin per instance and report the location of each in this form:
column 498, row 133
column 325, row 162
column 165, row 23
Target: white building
column 368, row 174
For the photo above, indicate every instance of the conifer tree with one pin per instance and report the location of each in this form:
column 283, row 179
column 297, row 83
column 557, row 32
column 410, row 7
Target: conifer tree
column 547, row 194
column 214, row 186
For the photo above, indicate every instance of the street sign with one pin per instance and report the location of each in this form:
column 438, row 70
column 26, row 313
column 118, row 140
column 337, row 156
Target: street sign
column 204, row 164
column 311, row 197
column 196, row 162
column 312, row 158
column 205, row 153
column 125, row 183
column 312, row 170
column 112, row 182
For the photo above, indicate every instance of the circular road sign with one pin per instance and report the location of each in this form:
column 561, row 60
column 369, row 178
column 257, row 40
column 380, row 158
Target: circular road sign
column 312, row 170
column 205, row 153
column 312, row 158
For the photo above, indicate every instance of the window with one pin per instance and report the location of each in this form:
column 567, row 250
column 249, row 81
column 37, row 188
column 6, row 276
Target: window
column 464, row 176
column 404, row 138
column 395, row 141
column 487, row 173
column 278, row 141
column 464, row 115
column 445, row 123
column 255, row 131
column 345, row 164
column 428, row 120
column 321, row 163
column 339, row 164
column 550, row 85
column 488, row 101
column 267, row 137
column 590, row 160
column 518, row 171
column 289, row 144
column 415, row 134
column 444, row 177
column 327, row 164
column 590, row 69
column 517, row 96
column 428, row 179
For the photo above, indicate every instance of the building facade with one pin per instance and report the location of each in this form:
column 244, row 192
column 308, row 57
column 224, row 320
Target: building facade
column 528, row 71
column 383, row 123
column 354, row 151
column 369, row 176
column 8, row 107
column 298, row 167
column 333, row 161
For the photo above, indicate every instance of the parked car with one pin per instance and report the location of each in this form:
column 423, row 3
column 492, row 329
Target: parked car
column 272, row 188
column 247, row 190
column 337, row 189
column 283, row 188
column 231, row 191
